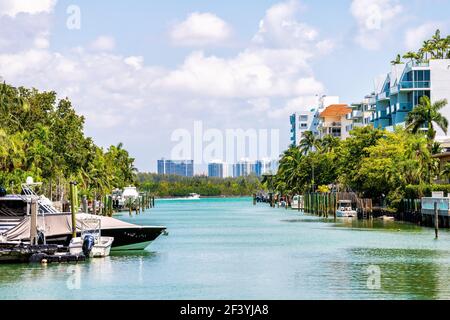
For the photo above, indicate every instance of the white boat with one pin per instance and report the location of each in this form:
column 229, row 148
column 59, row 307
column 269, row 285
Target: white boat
column 130, row 193
column 345, row 209
column 193, row 196
column 297, row 202
column 101, row 248
column 91, row 243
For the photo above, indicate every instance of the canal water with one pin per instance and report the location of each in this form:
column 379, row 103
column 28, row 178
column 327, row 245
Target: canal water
column 229, row 249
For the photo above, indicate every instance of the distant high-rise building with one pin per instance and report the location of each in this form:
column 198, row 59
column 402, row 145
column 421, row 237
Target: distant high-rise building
column 246, row 167
column 216, row 169
column 183, row 168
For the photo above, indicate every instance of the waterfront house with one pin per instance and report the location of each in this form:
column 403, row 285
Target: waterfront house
column 333, row 121
column 361, row 113
column 308, row 120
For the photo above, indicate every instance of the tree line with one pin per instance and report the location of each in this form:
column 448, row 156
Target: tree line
column 177, row 186
column 42, row 136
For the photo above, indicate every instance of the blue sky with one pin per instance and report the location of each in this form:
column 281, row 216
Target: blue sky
column 138, row 70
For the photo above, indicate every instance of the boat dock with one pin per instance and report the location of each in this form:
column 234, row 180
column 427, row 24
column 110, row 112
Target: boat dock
column 25, row 253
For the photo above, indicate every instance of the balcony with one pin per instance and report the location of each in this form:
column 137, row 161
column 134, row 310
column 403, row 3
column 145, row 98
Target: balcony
column 357, row 114
column 383, row 96
column 415, row 85
column 331, row 124
column 404, row 106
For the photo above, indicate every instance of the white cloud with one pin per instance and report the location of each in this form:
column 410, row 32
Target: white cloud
column 117, row 93
column 252, row 73
column 103, row 43
column 135, row 62
column 200, row 29
column 294, row 105
column 14, row 7
column 375, row 19
column 280, row 27
column 414, row 37
column 24, row 32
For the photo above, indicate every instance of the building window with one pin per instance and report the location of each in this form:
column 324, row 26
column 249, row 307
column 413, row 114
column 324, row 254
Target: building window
column 303, row 118
column 303, row 125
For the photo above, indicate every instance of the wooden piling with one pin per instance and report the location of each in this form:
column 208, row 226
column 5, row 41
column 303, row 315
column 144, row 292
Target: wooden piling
column 436, row 220
column 33, row 223
column 73, row 208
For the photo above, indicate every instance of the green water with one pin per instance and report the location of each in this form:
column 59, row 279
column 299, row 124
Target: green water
column 229, row 249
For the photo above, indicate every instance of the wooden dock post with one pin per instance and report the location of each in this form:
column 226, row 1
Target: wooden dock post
column 436, row 220
column 73, row 208
column 85, row 204
column 254, row 199
column 336, row 198
column 33, row 223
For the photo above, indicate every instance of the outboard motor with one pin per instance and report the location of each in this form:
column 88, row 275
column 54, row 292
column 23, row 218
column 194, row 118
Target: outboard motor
column 88, row 244
column 2, row 192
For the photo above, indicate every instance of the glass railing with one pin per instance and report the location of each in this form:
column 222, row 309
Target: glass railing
column 415, row 64
column 383, row 95
column 415, row 84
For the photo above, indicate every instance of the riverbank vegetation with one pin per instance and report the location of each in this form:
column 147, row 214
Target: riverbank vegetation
column 42, row 136
column 372, row 162
column 176, row 186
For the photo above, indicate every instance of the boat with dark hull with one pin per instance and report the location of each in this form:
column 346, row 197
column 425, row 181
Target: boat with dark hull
column 55, row 227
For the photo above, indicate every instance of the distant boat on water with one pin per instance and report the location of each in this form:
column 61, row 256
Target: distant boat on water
column 192, row 196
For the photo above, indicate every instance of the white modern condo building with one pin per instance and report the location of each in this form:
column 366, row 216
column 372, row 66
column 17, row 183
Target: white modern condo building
column 402, row 88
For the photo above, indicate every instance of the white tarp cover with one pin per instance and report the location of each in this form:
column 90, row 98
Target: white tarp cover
column 60, row 224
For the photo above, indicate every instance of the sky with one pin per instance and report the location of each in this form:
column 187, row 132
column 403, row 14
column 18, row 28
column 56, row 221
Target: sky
column 141, row 70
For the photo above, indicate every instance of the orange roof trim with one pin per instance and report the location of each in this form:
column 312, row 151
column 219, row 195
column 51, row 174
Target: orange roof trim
column 336, row 110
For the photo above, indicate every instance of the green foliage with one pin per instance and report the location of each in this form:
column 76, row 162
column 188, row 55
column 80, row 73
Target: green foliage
column 372, row 162
column 437, row 47
column 43, row 138
column 176, row 186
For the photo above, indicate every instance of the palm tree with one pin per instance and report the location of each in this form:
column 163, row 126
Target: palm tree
column 427, row 48
column 289, row 171
column 329, row 143
column 426, row 114
column 446, row 171
column 436, row 43
column 412, row 56
column 447, row 41
column 398, row 60
column 309, row 142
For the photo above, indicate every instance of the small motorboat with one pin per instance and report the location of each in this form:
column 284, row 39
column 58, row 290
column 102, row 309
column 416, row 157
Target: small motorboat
column 297, row 202
column 90, row 246
column 345, row 209
column 193, row 196
column 91, row 243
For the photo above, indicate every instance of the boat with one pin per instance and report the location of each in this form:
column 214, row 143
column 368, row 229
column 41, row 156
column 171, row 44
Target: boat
column 55, row 226
column 297, row 202
column 345, row 209
column 91, row 243
column 193, row 196
column 130, row 193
